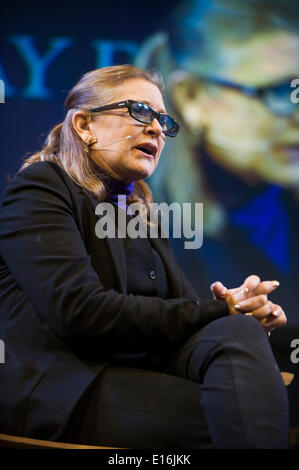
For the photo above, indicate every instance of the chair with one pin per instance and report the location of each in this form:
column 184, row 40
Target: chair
column 18, row 442
column 287, row 378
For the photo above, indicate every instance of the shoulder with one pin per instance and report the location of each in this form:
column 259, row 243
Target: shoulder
column 40, row 172
column 42, row 186
column 40, row 177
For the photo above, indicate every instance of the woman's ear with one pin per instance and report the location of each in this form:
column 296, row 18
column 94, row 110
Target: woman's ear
column 187, row 93
column 81, row 124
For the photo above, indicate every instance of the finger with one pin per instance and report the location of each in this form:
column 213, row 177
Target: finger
column 251, row 282
column 218, row 289
column 276, row 319
column 251, row 304
column 265, row 287
column 262, row 313
column 247, row 288
column 240, row 293
column 243, row 289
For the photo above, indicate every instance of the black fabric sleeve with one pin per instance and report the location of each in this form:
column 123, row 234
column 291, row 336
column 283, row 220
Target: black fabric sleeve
column 43, row 248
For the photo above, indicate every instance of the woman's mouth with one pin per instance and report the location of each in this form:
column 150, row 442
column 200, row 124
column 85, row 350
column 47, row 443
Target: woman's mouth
column 147, row 149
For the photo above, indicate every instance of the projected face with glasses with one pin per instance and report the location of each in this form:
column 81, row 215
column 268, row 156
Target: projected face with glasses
column 243, row 110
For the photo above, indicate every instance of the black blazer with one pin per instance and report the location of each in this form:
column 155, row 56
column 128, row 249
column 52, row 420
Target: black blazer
column 64, row 306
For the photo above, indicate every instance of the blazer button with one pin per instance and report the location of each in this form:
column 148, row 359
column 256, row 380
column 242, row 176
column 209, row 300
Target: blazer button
column 152, row 274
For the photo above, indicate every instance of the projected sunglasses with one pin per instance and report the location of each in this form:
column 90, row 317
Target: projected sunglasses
column 277, row 96
column 142, row 112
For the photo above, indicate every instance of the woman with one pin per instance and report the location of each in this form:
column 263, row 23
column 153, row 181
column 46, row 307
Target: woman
column 106, row 341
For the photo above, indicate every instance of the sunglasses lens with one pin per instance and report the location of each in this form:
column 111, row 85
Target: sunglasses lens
column 141, row 112
column 278, row 100
column 169, row 126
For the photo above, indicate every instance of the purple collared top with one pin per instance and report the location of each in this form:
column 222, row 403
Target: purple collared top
column 117, row 188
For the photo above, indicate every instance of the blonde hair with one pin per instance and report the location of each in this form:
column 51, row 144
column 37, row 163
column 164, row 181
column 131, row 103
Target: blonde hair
column 64, row 147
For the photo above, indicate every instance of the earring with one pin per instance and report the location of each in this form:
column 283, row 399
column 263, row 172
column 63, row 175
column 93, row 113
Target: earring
column 91, row 140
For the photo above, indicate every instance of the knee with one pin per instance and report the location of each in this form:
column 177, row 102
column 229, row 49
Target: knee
column 240, row 326
column 233, row 334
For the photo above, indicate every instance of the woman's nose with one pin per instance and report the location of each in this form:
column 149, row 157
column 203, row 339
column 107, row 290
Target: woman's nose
column 154, row 128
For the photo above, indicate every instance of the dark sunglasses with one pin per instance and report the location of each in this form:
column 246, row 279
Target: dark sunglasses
column 277, row 97
column 144, row 113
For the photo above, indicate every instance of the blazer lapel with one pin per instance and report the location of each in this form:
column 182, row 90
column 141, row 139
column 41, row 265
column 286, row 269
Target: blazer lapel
column 117, row 251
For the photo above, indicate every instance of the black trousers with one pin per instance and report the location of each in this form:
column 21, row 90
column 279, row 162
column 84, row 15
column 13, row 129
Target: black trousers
column 221, row 389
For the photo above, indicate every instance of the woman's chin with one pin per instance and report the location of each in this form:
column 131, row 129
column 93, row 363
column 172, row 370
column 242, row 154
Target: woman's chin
column 142, row 171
